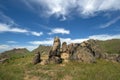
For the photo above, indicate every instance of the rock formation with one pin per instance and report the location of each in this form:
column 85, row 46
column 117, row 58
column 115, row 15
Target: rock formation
column 54, row 54
column 64, row 47
column 36, row 58
column 86, row 51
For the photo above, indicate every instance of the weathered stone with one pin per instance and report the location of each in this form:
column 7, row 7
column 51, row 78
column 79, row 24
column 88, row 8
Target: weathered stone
column 71, row 49
column 55, row 60
column 64, row 47
column 44, row 62
column 36, row 58
column 118, row 58
column 112, row 57
column 83, row 54
column 56, row 46
column 54, row 54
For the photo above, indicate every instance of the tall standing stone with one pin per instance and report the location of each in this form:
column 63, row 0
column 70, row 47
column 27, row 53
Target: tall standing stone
column 64, row 47
column 36, row 58
column 54, row 54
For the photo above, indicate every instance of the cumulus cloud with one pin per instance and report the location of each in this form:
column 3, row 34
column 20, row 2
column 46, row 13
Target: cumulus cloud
column 79, row 40
column 9, row 28
column 110, row 22
column 65, row 8
column 59, row 31
column 37, row 33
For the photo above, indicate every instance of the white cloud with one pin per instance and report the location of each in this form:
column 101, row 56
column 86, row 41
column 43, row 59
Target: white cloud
column 37, row 33
column 59, row 31
column 79, row 40
column 9, row 28
column 12, row 42
column 65, row 8
column 105, row 37
column 4, row 48
column 110, row 22
column 44, row 42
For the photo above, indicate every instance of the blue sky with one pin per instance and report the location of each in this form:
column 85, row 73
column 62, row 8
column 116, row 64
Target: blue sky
column 29, row 23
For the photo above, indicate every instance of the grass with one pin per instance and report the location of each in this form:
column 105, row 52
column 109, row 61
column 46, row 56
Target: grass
column 23, row 69
column 110, row 46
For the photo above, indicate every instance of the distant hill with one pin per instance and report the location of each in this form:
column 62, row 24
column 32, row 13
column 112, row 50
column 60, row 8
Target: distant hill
column 110, row 46
column 21, row 52
column 42, row 49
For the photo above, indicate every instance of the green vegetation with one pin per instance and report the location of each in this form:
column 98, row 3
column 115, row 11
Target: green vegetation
column 111, row 46
column 15, row 53
column 42, row 49
column 19, row 66
column 23, row 69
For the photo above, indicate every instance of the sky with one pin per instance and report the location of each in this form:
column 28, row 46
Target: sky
column 30, row 23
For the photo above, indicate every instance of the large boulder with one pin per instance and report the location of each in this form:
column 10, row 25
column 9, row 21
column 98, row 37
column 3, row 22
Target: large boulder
column 37, row 58
column 94, row 47
column 83, row 54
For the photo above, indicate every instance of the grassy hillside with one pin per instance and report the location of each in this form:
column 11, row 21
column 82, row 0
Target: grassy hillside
column 111, row 46
column 20, row 67
column 14, row 53
column 23, row 69
column 42, row 49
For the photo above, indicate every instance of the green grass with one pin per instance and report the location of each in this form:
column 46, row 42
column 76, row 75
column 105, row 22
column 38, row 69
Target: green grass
column 111, row 46
column 22, row 68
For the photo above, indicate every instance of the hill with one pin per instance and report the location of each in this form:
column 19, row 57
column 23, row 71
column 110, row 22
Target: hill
column 14, row 53
column 110, row 46
column 42, row 49
column 20, row 66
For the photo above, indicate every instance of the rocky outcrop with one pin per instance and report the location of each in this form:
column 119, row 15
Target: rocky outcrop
column 86, row 51
column 64, row 47
column 54, row 54
column 82, row 54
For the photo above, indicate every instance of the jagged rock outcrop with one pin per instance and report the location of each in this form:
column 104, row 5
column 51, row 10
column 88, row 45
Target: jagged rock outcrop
column 93, row 46
column 54, row 54
column 86, row 51
column 37, row 58
column 82, row 54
